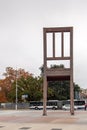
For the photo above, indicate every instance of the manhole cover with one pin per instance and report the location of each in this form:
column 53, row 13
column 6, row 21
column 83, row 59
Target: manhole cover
column 56, row 129
column 2, row 126
column 25, row 128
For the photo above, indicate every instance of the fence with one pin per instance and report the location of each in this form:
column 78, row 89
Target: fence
column 12, row 105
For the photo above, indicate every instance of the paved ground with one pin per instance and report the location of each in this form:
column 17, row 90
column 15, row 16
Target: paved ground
column 33, row 120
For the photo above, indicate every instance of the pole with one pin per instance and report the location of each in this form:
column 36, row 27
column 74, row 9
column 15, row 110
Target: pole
column 16, row 105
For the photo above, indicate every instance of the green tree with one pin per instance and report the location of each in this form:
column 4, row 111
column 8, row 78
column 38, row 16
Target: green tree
column 31, row 86
column 61, row 89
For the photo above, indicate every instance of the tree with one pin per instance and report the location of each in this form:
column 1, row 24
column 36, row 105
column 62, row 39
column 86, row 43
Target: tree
column 61, row 89
column 2, row 92
column 9, row 80
column 31, row 86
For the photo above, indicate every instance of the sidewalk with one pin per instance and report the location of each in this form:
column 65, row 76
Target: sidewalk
column 33, row 120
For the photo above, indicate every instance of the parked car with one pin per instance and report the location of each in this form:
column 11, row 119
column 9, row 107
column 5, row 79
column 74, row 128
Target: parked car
column 67, row 107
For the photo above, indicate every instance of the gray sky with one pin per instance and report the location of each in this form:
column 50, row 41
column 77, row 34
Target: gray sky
column 21, row 33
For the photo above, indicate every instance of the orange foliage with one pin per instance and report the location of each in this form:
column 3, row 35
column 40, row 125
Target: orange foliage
column 10, row 77
column 2, row 92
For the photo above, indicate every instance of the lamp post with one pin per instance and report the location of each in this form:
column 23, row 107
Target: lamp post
column 16, row 103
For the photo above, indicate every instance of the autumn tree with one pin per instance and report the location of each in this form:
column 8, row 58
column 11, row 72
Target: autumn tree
column 2, row 92
column 9, row 78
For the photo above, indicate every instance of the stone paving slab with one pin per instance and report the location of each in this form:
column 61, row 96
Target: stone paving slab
column 33, row 120
column 42, row 126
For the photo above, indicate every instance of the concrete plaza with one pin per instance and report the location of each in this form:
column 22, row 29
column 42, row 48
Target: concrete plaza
column 34, row 120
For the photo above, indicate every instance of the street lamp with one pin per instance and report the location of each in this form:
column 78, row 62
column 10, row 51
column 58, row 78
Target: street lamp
column 16, row 103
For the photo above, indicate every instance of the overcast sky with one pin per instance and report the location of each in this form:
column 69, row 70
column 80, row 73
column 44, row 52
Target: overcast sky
column 21, row 33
